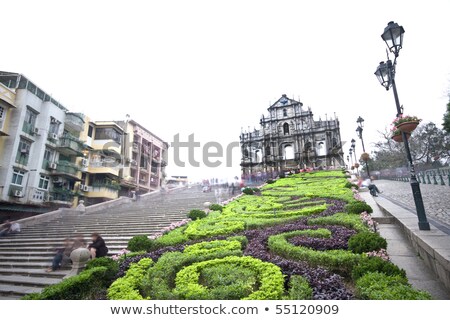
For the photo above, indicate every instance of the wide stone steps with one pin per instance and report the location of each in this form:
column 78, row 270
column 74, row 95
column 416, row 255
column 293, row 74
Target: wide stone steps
column 25, row 257
column 8, row 291
column 25, row 280
column 33, row 272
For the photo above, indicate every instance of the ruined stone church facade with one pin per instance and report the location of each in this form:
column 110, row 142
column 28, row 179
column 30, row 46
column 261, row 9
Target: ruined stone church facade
column 290, row 139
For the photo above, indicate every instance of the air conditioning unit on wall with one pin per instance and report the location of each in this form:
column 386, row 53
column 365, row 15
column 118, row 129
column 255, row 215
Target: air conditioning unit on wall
column 84, row 162
column 53, row 166
column 54, row 136
column 18, row 193
column 57, row 180
column 86, row 188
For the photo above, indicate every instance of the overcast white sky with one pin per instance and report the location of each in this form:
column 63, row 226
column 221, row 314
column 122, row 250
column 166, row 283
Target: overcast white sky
column 212, row 67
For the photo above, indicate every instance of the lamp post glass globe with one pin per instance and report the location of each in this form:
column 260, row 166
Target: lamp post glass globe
column 359, row 131
column 393, row 36
column 360, row 121
column 383, row 74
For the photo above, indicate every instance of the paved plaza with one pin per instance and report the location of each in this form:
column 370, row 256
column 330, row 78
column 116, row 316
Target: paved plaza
column 436, row 198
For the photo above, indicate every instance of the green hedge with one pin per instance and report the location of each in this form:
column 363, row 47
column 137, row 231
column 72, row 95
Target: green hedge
column 378, row 286
column 111, row 266
column 242, row 239
column 172, row 238
column 140, row 243
column 366, row 242
column 196, row 214
column 127, row 287
column 203, row 248
column 85, row 285
column 341, row 261
column 213, row 227
column 357, row 207
column 160, row 280
column 216, row 207
column 351, row 221
column 262, row 281
column 299, row 289
column 376, row 264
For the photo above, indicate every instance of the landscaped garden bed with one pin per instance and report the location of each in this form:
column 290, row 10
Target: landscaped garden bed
column 307, row 236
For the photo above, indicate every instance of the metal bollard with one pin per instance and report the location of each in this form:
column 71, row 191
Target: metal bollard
column 434, row 179
column 441, row 178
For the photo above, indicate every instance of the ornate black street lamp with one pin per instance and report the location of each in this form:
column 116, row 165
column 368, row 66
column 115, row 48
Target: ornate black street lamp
column 393, row 36
column 350, row 152
column 359, row 131
column 354, row 154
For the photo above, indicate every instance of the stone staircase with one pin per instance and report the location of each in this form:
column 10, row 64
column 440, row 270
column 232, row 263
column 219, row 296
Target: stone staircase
column 25, row 257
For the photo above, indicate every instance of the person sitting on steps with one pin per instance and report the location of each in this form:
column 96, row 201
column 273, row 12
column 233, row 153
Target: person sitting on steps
column 10, row 228
column 6, row 228
column 62, row 255
column 98, row 246
column 373, row 189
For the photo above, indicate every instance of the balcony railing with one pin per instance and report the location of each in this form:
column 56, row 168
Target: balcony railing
column 111, row 186
column 75, row 121
column 69, row 168
column 61, row 195
column 70, row 145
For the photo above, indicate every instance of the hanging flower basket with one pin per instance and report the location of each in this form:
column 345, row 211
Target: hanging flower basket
column 365, row 156
column 406, row 123
column 399, row 138
column 356, row 165
column 408, row 127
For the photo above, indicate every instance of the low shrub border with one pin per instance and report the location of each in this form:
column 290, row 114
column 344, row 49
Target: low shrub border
column 351, row 221
column 80, row 287
column 376, row 264
column 341, row 261
column 269, row 277
column 379, row 286
column 203, row 248
column 213, row 227
column 358, row 207
column 127, row 287
column 366, row 242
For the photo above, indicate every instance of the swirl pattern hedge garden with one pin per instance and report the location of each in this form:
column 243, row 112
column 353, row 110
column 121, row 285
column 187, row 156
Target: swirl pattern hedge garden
column 306, row 236
column 288, row 240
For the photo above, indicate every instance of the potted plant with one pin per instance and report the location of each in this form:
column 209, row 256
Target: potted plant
column 365, row 156
column 356, row 165
column 406, row 123
column 396, row 135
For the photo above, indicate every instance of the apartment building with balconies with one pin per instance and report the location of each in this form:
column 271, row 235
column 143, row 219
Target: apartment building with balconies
column 7, row 101
column 29, row 155
column 144, row 158
column 51, row 157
